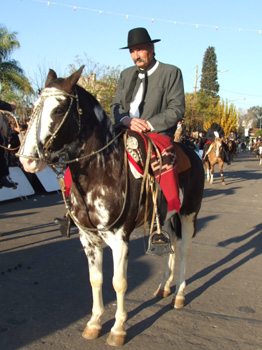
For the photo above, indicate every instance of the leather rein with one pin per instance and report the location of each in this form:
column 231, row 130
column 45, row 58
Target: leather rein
column 60, row 166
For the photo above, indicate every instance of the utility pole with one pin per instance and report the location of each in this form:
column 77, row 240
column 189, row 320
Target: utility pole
column 194, row 101
column 196, row 77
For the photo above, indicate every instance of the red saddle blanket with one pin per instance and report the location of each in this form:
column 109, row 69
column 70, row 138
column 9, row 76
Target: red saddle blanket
column 168, row 179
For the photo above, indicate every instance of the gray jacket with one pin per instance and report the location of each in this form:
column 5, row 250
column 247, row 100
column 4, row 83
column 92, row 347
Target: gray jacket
column 164, row 103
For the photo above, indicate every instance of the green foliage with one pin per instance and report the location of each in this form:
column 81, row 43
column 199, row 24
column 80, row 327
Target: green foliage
column 199, row 109
column 99, row 80
column 14, row 84
column 258, row 133
column 224, row 114
column 203, row 110
column 209, row 82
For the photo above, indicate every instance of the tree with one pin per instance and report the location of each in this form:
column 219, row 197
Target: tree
column 14, row 85
column 200, row 109
column 256, row 113
column 209, row 82
column 100, row 80
column 226, row 115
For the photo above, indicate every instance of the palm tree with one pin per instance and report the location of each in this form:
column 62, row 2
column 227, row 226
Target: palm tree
column 12, row 79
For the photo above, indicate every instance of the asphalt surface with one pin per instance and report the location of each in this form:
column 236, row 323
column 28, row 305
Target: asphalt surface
column 45, row 295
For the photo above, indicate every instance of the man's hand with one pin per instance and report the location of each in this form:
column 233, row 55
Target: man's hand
column 136, row 124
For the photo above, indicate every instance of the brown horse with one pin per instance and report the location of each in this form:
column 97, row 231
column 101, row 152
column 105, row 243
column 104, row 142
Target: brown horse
column 69, row 127
column 215, row 155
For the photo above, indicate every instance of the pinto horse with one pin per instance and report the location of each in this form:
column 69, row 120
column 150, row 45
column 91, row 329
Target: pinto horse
column 215, row 156
column 68, row 126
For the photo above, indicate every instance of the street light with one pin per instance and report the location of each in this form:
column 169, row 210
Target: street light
column 195, row 88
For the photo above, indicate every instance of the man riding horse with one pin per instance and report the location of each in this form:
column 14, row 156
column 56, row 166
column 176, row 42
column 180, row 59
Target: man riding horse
column 215, row 131
column 150, row 95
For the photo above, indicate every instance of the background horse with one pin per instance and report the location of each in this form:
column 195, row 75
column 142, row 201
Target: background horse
column 260, row 153
column 215, row 156
column 232, row 149
column 257, row 148
column 69, row 127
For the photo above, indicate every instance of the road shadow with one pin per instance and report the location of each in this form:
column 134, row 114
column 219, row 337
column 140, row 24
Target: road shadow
column 45, row 287
column 235, row 258
column 218, row 191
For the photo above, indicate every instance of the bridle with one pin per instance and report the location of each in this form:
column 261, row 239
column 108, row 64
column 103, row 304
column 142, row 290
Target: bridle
column 62, row 154
column 45, row 154
column 60, row 166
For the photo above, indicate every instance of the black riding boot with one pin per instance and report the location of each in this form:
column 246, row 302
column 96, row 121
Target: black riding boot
column 5, row 181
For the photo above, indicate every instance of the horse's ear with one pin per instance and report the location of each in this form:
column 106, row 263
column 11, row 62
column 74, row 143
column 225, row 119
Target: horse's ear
column 51, row 76
column 71, row 81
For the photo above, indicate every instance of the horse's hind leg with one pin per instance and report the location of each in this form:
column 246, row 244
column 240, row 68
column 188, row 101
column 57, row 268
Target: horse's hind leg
column 188, row 228
column 94, row 254
column 222, row 173
column 164, row 288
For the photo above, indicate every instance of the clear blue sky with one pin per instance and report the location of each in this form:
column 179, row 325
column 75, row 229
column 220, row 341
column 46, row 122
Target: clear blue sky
column 52, row 34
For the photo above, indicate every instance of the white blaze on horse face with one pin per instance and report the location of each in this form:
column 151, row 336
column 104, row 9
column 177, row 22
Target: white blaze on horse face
column 39, row 132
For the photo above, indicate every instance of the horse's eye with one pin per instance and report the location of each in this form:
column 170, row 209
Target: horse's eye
column 59, row 110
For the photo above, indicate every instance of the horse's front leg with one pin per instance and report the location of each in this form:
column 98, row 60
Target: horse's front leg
column 208, row 171
column 94, row 253
column 222, row 172
column 120, row 259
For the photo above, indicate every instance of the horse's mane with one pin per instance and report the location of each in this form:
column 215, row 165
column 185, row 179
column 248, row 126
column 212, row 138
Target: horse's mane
column 91, row 99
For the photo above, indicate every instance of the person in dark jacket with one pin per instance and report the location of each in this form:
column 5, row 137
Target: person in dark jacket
column 150, row 94
column 215, row 131
column 5, row 180
column 5, row 106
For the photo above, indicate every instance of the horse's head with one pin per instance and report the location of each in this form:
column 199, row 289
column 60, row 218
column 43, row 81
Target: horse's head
column 55, row 122
column 219, row 147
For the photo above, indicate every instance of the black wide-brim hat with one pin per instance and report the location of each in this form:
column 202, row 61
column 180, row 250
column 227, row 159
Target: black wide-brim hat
column 138, row 36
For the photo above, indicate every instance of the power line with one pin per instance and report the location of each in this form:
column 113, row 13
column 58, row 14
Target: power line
column 152, row 20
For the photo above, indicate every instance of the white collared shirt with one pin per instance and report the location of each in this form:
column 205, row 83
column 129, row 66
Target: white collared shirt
column 134, row 111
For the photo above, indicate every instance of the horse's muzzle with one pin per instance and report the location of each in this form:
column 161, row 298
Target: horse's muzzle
column 32, row 166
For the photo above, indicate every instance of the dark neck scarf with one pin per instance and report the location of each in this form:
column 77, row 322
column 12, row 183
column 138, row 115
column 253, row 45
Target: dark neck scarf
column 135, row 83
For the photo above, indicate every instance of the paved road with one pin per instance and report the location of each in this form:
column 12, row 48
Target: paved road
column 45, row 296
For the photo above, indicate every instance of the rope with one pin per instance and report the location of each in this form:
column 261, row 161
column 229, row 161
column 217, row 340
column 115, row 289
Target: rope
column 63, row 189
